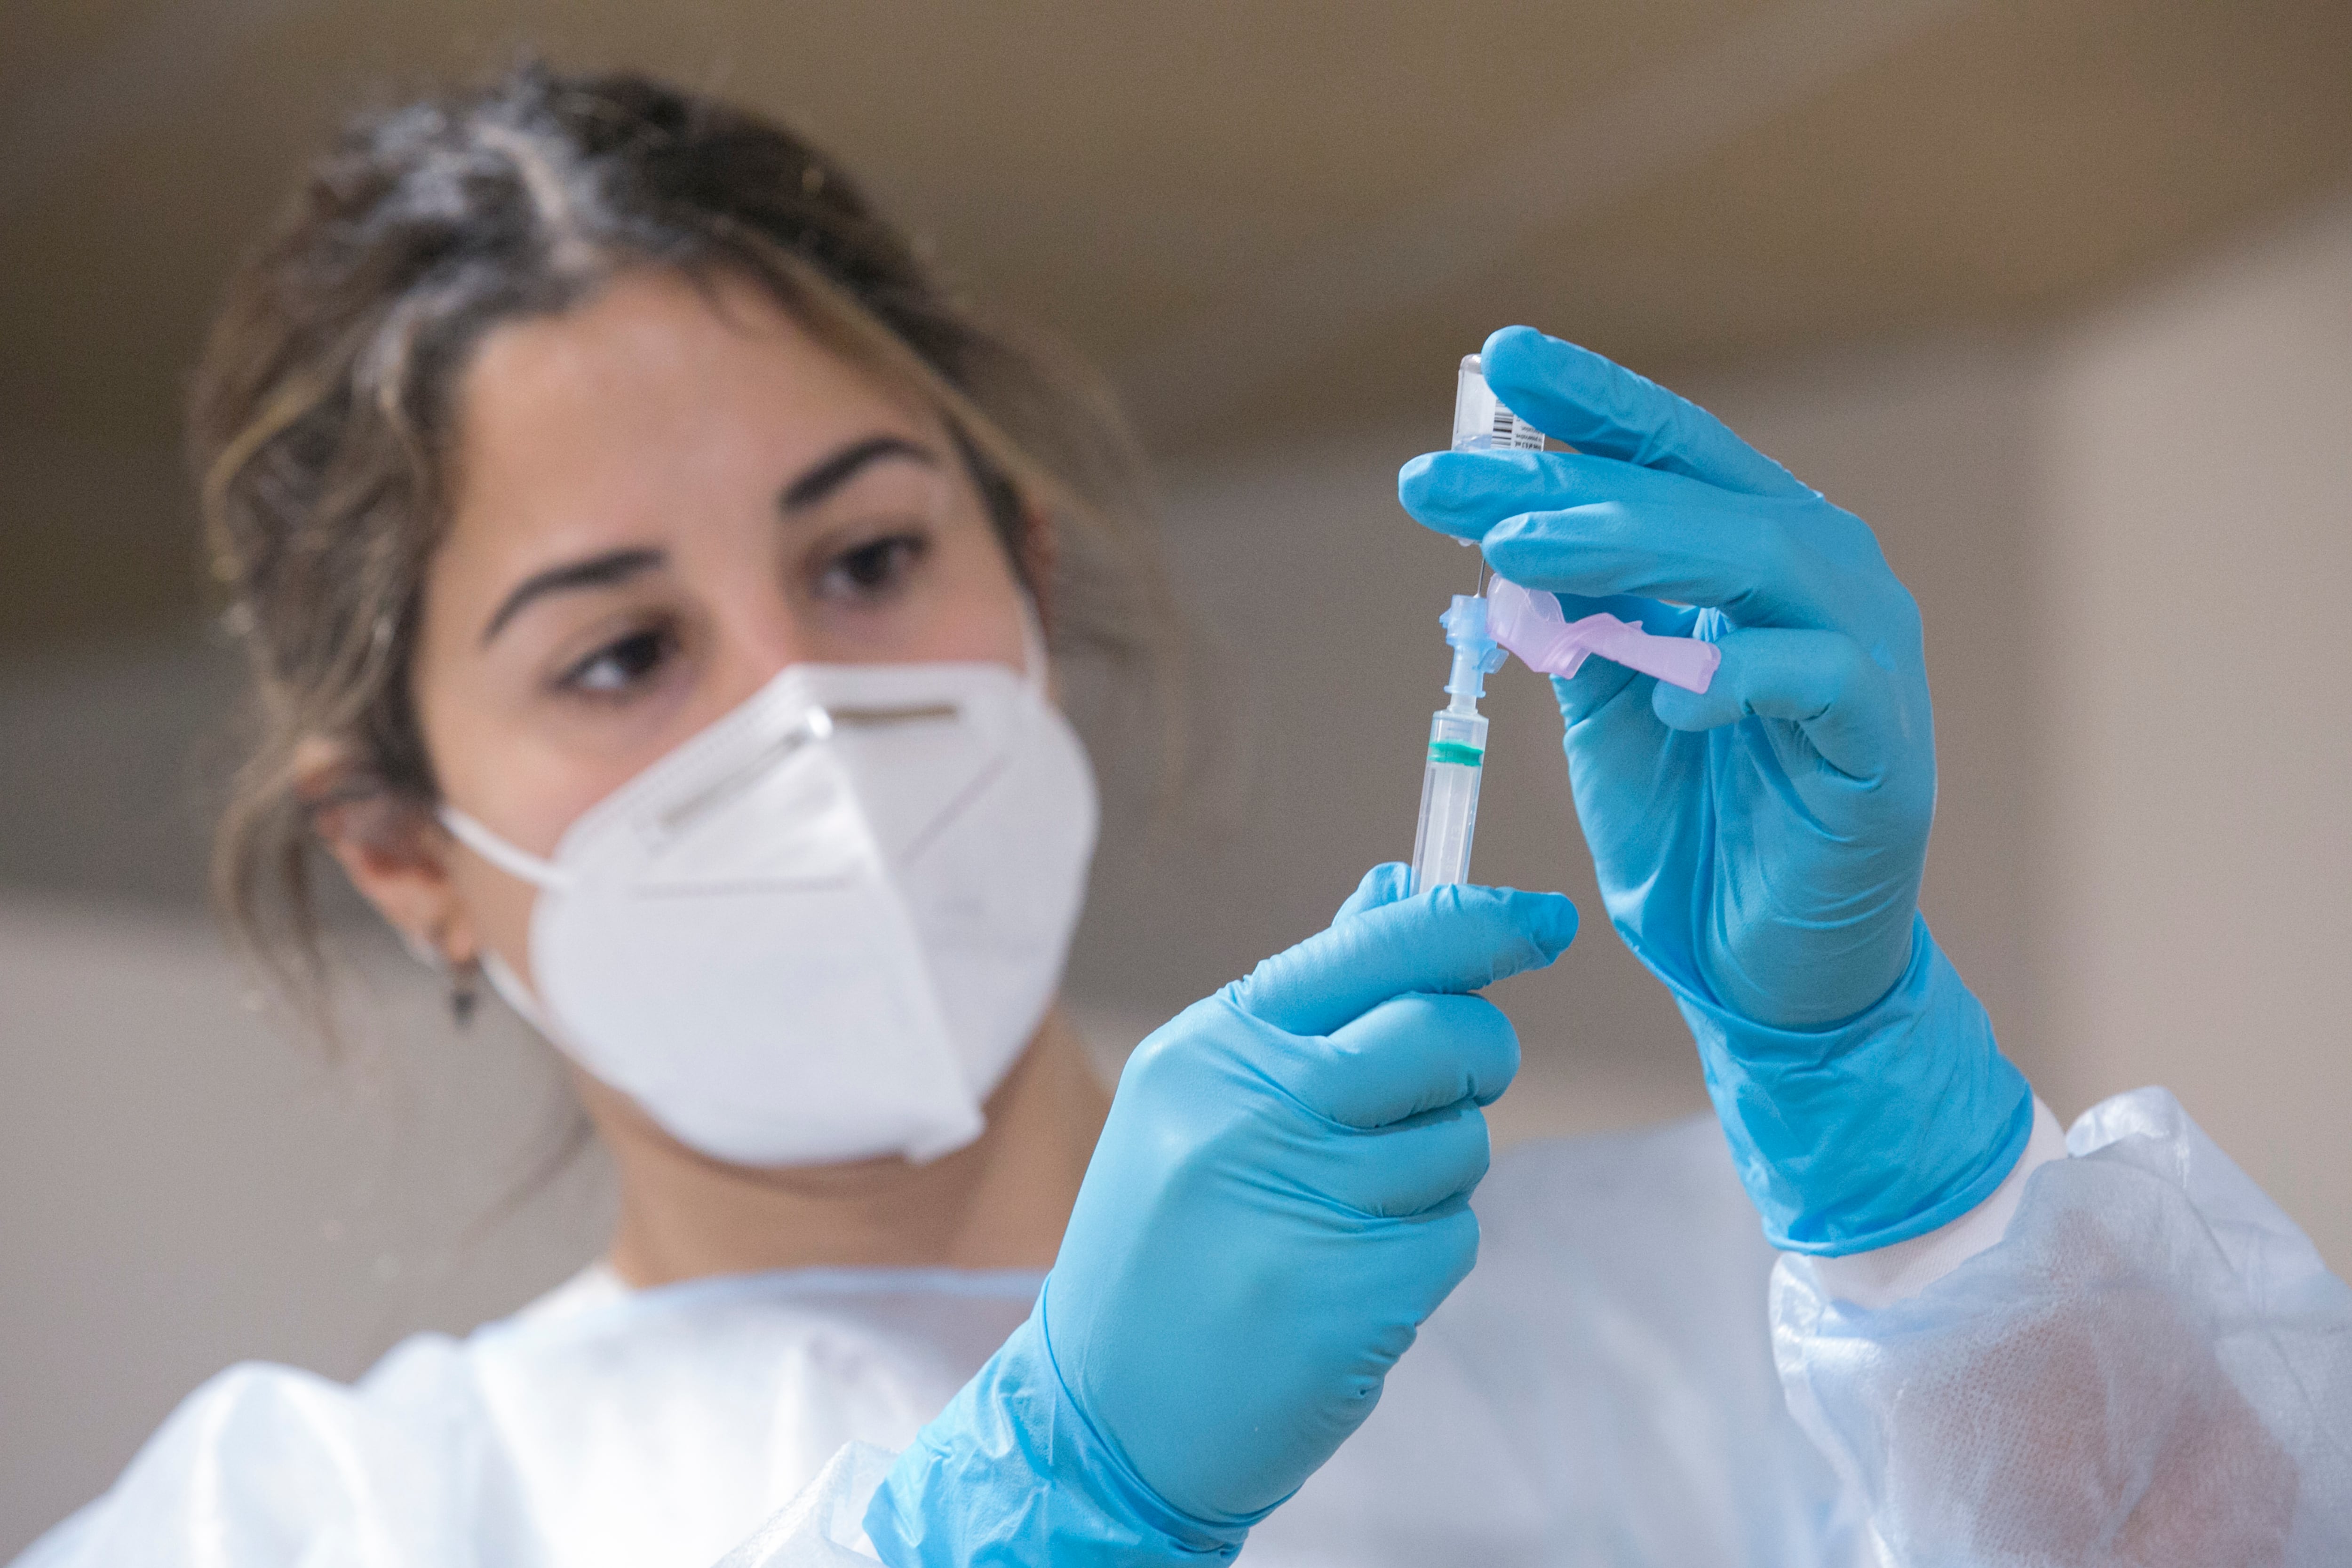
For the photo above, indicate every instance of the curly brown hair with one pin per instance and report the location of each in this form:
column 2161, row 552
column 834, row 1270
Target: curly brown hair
column 320, row 423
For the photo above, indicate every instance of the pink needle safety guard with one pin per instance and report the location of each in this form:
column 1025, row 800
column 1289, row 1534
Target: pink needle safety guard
column 1531, row 625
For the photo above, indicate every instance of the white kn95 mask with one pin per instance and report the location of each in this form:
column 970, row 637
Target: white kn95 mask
column 825, row 927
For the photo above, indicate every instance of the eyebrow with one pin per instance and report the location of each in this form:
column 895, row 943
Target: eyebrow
column 603, row 570
column 617, row 566
column 845, row 465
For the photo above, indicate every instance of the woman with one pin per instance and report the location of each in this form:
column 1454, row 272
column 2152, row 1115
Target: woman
column 651, row 575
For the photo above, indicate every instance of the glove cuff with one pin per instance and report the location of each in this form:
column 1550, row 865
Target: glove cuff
column 1874, row 1130
column 1012, row 1474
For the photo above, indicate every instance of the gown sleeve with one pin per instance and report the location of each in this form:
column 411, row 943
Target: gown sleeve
column 2152, row 1366
column 822, row 1527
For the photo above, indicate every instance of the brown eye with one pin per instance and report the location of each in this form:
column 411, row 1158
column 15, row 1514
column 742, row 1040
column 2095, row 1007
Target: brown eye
column 873, row 570
column 622, row 664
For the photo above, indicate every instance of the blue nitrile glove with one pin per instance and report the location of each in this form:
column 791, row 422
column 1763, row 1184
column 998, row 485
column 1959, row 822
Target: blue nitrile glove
column 1279, row 1198
column 1758, row 846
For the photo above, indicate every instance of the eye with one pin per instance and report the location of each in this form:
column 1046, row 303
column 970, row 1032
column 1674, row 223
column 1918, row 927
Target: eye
column 873, row 570
column 622, row 664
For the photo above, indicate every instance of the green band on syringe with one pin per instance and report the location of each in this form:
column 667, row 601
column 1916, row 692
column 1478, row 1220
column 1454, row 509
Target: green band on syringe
column 1456, row 752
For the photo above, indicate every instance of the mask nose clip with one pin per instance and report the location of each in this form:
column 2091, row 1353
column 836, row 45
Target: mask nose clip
column 884, row 718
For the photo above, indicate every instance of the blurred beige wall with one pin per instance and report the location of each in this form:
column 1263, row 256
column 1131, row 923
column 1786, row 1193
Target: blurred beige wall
column 2196, row 578
column 2130, row 540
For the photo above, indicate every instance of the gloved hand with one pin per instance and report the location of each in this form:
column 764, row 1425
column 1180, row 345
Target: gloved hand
column 1760, row 847
column 1279, row 1198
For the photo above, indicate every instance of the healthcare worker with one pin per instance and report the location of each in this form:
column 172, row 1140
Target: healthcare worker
column 653, row 580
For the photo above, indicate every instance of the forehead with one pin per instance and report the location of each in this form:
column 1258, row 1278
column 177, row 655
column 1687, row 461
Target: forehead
column 661, row 414
column 659, row 368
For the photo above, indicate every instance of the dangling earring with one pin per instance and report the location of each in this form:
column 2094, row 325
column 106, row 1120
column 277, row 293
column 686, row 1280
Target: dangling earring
column 465, row 979
column 465, row 991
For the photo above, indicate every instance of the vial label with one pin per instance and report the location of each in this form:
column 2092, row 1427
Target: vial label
column 1515, row 434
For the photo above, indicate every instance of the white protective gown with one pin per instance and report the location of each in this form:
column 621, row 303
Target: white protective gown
column 2149, row 1367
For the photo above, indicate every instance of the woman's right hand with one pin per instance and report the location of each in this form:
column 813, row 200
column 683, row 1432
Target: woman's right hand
column 1279, row 1199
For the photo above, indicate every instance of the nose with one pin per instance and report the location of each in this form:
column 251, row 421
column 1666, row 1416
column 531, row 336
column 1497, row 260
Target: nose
column 757, row 633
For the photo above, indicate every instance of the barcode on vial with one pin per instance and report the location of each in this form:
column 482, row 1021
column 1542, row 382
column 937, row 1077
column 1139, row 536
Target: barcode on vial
column 1515, row 434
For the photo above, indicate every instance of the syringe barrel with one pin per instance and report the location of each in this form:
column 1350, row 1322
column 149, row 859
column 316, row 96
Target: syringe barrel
column 1449, row 800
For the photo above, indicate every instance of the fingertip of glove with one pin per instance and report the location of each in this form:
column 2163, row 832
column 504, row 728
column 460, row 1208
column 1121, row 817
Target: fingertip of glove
column 1551, row 921
column 1548, row 921
column 1465, row 494
column 1508, row 347
column 1426, row 492
column 1524, row 360
column 1384, row 884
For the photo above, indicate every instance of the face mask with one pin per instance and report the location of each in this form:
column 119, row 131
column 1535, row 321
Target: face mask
column 825, row 927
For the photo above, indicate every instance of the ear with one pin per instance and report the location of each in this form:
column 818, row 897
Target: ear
column 391, row 848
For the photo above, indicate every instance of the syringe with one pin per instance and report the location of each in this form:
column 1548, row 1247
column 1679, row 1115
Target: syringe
column 1457, row 732
column 1457, row 752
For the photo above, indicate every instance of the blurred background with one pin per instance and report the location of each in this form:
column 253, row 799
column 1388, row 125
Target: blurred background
column 2057, row 294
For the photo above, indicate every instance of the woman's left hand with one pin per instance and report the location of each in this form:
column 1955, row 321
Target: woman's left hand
column 1759, row 846
column 1764, row 838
